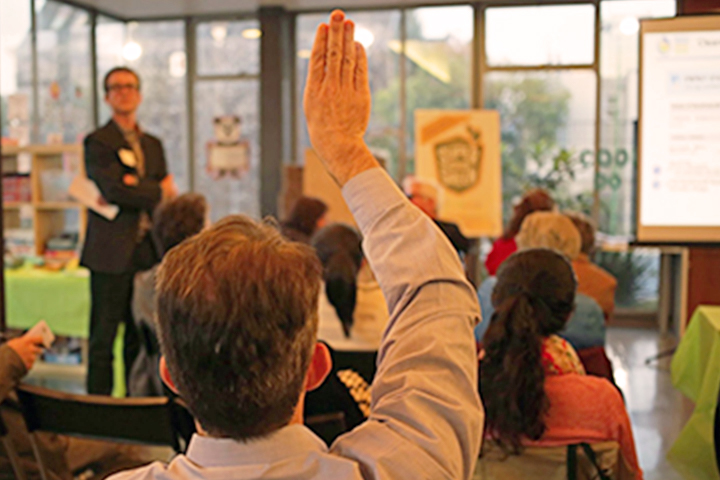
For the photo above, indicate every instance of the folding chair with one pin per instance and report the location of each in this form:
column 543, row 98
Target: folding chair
column 10, row 451
column 146, row 421
column 573, row 462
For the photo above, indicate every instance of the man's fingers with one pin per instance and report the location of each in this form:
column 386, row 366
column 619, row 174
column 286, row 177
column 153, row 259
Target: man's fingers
column 348, row 62
column 335, row 46
column 361, row 69
column 316, row 70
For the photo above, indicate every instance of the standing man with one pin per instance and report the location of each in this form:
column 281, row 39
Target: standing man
column 128, row 166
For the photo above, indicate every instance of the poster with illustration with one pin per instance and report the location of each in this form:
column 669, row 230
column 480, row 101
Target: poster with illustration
column 459, row 150
column 228, row 153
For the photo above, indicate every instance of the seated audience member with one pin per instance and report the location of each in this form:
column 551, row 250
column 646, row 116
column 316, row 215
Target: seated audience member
column 237, row 318
column 555, row 231
column 537, row 200
column 593, row 281
column 425, row 195
column 533, row 387
column 62, row 455
column 306, row 217
column 173, row 221
column 352, row 314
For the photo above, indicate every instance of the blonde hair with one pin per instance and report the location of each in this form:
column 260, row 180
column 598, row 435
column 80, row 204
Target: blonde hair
column 550, row 230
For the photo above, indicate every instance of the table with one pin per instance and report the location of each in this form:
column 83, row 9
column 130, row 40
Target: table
column 62, row 299
column 695, row 372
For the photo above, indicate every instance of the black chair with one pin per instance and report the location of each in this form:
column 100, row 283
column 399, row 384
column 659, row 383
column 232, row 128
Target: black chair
column 146, row 421
column 11, row 452
column 717, row 432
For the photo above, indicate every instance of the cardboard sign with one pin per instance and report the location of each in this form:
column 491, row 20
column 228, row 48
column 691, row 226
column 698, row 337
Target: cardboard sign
column 460, row 151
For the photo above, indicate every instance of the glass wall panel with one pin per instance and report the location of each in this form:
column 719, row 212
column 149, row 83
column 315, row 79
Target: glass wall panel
column 225, row 194
column 64, row 70
column 228, row 48
column 110, row 37
column 438, row 54
column 156, row 50
column 560, row 35
column 379, row 31
column 16, row 71
column 637, row 272
column 547, row 129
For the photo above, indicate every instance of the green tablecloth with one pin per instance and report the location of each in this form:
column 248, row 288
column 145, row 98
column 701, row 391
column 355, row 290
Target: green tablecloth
column 696, row 373
column 62, row 299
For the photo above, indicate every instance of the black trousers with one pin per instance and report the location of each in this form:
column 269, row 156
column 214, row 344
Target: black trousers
column 111, row 297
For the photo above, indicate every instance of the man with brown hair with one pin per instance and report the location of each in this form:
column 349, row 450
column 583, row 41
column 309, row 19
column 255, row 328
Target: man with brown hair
column 237, row 319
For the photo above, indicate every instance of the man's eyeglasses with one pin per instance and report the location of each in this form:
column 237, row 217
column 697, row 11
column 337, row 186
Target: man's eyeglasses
column 118, row 87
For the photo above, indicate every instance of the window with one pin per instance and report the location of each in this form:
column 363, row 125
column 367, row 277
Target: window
column 228, row 48
column 561, row 35
column 438, row 52
column 16, row 72
column 64, row 83
column 110, row 37
column 637, row 271
column 547, row 126
column 379, row 32
column 227, row 83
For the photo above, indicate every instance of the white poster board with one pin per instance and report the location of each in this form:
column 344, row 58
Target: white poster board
column 460, row 151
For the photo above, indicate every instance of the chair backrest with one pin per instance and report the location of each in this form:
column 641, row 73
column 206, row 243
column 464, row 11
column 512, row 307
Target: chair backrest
column 11, row 452
column 146, row 421
column 328, row 426
column 550, row 463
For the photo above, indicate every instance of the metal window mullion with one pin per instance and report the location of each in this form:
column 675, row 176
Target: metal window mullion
column 598, row 101
column 190, row 71
column 402, row 150
column 538, row 68
column 35, row 130
column 226, row 78
column 94, row 69
column 479, row 66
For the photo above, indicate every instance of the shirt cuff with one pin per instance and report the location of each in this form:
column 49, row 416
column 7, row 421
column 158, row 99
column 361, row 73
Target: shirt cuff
column 371, row 194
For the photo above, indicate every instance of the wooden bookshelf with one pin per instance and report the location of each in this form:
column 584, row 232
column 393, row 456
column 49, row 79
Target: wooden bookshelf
column 50, row 216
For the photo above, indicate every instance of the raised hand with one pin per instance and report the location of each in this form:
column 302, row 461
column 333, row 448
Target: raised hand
column 337, row 99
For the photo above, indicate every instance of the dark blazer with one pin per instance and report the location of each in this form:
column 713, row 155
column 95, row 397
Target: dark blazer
column 109, row 244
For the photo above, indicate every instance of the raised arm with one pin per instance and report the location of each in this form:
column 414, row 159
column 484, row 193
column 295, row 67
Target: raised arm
column 426, row 418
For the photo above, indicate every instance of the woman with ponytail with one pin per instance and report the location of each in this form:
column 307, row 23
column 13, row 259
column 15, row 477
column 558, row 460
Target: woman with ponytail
column 352, row 314
column 533, row 387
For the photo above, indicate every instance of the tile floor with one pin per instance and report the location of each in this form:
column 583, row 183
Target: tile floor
column 657, row 411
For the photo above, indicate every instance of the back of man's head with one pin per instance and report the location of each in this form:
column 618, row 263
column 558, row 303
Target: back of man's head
column 237, row 317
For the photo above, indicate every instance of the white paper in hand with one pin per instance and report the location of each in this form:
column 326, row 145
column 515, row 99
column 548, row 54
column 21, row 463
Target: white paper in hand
column 86, row 192
column 43, row 330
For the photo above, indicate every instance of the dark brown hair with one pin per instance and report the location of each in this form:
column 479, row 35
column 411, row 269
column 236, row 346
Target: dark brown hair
column 305, row 214
column 536, row 200
column 177, row 219
column 106, row 86
column 338, row 247
column 237, row 320
column 533, row 298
